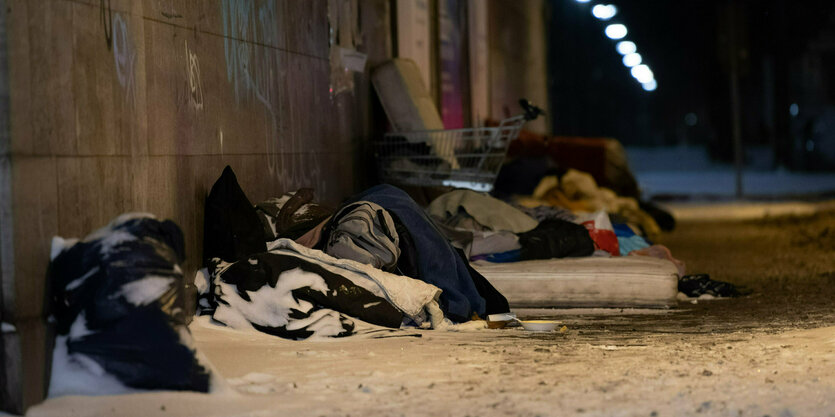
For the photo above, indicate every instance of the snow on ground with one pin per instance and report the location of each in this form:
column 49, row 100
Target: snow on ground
column 720, row 182
column 687, row 171
column 498, row 372
column 744, row 210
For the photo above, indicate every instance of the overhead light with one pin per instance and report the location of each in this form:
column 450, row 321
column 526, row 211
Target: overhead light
column 616, row 31
column 583, row 1
column 631, row 60
column 650, row 86
column 626, row 47
column 642, row 73
column 604, row 11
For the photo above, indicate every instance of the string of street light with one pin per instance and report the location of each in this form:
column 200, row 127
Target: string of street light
column 627, row 49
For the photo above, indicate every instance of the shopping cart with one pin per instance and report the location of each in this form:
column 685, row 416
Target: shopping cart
column 463, row 158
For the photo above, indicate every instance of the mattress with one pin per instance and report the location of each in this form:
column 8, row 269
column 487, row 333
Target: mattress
column 631, row 281
column 405, row 99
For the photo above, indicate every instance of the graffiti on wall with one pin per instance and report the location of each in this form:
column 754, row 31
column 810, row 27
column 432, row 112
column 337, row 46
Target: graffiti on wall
column 253, row 71
column 124, row 56
column 195, row 83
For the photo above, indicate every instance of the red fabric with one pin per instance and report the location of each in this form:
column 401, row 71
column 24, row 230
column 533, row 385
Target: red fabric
column 583, row 154
column 587, row 154
column 603, row 239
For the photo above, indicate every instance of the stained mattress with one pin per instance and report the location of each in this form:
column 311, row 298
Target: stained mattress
column 631, row 281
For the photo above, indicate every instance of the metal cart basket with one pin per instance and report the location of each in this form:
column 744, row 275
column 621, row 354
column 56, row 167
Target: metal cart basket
column 464, row 158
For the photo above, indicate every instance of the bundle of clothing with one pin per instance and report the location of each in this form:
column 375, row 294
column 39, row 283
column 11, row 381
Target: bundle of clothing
column 487, row 228
column 566, row 216
column 119, row 309
column 577, row 191
column 295, row 269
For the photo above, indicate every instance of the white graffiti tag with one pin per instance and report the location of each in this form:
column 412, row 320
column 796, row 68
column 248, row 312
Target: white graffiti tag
column 195, row 84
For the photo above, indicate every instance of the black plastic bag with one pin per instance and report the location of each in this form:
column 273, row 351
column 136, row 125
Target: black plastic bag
column 231, row 227
column 556, row 238
column 118, row 298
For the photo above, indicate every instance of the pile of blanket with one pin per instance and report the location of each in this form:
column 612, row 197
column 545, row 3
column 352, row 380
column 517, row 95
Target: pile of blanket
column 565, row 215
column 296, row 269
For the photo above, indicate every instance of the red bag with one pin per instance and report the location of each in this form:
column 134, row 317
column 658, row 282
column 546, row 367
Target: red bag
column 601, row 231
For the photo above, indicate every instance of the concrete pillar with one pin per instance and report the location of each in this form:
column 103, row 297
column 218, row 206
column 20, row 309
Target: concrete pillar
column 25, row 339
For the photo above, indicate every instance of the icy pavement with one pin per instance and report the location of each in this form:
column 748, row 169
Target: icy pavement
column 772, row 352
column 500, row 372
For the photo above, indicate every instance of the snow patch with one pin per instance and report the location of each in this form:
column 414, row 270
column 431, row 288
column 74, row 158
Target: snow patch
column 268, row 306
column 606, row 347
column 79, row 329
column 59, row 245
column 280, row 201
column 107, row 237
column 302, row 210
column 255, row 383
column 323, row 323
column 113, row 239
column 80, row 280
column 131, row 216
column 201, row 281
column 598, row 311
column 258, row 378
column 104, row 231
column 146, row 290
column 461, row 327
column 79, row 375
column 695, row 300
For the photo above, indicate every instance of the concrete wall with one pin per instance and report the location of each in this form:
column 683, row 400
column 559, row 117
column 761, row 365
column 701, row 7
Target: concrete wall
column 518, row 58
column 137, row 105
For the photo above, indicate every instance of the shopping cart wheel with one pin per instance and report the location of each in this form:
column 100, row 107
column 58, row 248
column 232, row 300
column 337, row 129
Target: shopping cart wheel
column 531, row 111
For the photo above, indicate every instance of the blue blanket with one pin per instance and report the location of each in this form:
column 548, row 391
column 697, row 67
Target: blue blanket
column 438, row 263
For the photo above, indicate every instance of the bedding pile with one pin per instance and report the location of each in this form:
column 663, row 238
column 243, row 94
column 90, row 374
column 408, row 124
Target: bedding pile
column 549, row 221
column 377, row 260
